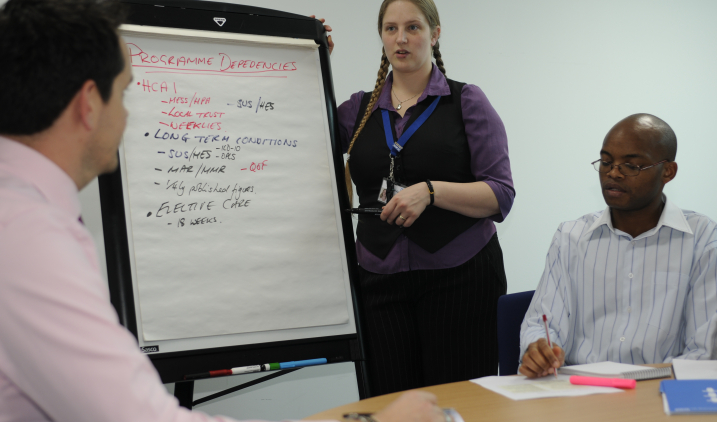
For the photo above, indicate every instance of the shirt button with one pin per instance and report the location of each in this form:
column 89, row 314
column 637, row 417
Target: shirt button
column 622, row 338
column 629, row 309
column 630, row 275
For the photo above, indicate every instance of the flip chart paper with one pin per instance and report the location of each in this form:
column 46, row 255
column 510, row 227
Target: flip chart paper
column 228, row 176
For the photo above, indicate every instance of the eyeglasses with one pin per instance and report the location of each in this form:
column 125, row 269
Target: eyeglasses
column 625, row 168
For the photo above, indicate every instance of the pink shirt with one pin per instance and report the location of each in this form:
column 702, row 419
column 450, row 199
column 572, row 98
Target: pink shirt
column 63, row 354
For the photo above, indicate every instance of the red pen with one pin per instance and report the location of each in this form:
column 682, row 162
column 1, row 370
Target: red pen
column 547, row 334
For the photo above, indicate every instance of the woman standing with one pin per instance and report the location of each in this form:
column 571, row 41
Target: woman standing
column 431, row 267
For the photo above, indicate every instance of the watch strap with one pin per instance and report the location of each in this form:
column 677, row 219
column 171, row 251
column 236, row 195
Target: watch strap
column 430, row 191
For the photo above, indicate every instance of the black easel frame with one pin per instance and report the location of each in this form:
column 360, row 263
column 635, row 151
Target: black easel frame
column 172, row 367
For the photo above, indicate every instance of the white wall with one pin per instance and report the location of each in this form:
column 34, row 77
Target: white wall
column 560, row 73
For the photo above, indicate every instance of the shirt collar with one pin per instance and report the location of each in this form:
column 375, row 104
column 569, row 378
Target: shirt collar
column 437, row 85
column 672, row 216
column 55, row 186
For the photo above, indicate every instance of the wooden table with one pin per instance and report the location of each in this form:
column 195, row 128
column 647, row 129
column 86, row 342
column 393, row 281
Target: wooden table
column 475, row 403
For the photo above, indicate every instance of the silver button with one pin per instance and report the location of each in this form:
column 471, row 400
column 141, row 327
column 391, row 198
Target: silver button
column 629, row 309
column 630, row 275
column 622, row 338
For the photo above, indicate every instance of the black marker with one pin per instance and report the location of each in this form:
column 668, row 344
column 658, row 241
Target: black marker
column 375, row 211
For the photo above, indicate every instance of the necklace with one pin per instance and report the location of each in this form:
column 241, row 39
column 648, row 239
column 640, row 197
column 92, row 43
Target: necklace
column 398, row 107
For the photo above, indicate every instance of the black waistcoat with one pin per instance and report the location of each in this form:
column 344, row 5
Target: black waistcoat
column 437, row 151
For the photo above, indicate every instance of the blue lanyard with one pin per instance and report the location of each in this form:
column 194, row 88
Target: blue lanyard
column 397, row 146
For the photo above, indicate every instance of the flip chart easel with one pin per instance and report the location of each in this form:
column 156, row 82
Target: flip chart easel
column 225, row 241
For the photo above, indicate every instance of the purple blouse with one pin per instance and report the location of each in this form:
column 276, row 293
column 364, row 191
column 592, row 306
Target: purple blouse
column 488, row 145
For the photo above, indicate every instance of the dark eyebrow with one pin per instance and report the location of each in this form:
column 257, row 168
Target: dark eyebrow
column 626, row 156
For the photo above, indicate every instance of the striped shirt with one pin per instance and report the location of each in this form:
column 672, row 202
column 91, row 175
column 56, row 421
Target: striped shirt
column 611, row 297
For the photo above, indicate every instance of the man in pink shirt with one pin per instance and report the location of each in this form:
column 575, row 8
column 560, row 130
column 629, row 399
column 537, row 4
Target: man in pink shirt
column 63, row 354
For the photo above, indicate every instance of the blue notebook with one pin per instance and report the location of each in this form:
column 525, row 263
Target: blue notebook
column 689, row 396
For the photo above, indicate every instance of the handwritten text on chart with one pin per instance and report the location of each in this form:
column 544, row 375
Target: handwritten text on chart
column 221, row 62
column 234, row 201
column 263, row 105
column 180, row 189
column 167, row 208
column 188, row 113
column 237, row 140
column 192, row 110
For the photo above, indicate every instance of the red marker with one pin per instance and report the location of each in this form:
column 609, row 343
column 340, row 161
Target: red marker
column 547, row 334
column 603, row 382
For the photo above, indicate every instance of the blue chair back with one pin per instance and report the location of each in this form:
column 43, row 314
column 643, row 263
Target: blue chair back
column 511, row 311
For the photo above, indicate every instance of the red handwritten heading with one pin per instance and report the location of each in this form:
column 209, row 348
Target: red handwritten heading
column 227, row 63
column 222, row 63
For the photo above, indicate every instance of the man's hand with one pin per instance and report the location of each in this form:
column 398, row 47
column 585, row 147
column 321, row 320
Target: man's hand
column 540, row 360
column 413, row 406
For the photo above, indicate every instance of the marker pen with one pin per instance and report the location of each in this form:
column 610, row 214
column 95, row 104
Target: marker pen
column 375, row 211
column 299, row 363
column 256, row 368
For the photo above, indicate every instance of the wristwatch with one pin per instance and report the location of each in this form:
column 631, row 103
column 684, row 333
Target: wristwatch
column 363, row 417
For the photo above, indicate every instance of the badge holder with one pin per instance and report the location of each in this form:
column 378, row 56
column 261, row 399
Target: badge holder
column 389, row 187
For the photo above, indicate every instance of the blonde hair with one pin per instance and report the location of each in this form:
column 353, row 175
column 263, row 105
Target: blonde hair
column 429, row 10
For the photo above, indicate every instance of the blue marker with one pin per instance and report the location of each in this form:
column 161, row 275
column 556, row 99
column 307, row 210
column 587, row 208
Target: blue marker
column 300, row 363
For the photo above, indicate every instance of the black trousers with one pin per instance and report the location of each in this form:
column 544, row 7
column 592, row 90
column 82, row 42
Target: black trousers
column 428, row 327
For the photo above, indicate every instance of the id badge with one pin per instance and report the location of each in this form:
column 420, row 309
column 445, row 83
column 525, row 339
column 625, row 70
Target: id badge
column 388, row 189
column 383, row 195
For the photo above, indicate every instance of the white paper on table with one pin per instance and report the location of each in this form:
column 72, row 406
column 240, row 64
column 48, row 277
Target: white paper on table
column 694, row 369
column 522, row 388
column 602, row 369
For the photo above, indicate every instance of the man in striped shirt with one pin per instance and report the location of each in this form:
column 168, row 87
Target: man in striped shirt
column 635, row 283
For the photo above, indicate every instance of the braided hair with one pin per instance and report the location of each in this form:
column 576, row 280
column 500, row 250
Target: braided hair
column 439, row 60
column 429, row 10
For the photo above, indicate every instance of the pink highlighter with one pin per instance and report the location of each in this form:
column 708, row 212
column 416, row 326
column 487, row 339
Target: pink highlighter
column 603, row 382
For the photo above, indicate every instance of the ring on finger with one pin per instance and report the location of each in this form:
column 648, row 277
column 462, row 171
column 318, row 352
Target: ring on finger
column 401, row 217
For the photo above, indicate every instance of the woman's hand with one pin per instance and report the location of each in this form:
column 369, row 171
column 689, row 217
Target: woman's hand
column 328, row 29
column 406, row 206
column 475, row 200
